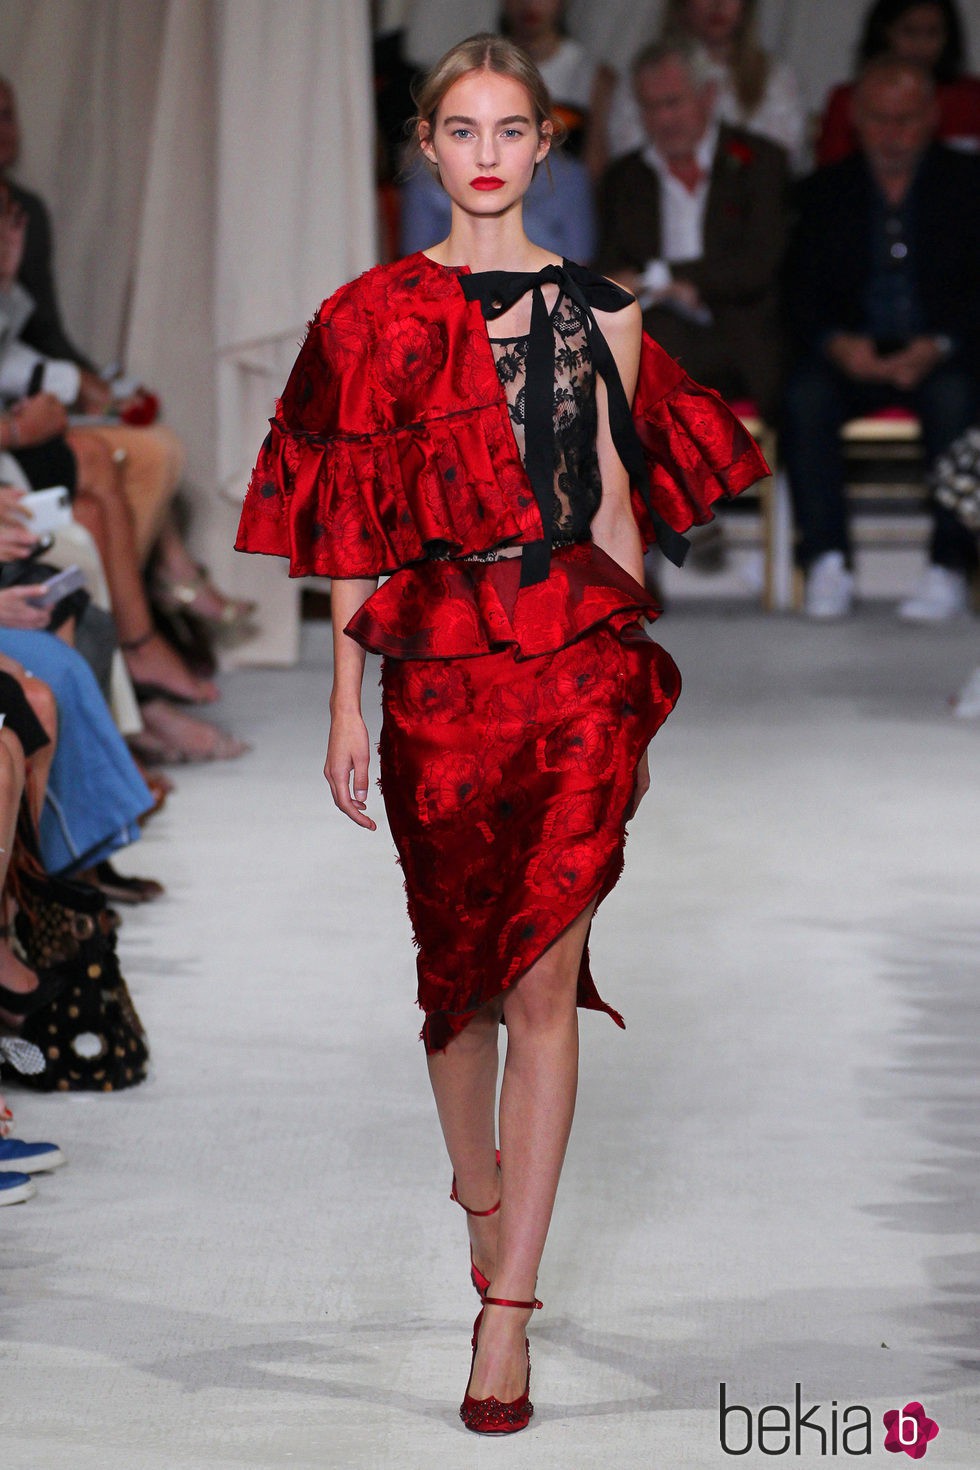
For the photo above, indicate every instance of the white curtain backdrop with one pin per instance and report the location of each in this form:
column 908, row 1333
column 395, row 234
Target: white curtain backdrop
column 208, row 164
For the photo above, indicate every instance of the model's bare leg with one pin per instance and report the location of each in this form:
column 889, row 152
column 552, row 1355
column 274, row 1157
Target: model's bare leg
column 464, row 1081
column 101, row 507
column 537, row 1102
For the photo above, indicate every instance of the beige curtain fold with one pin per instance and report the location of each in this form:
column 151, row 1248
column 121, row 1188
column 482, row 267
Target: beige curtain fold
column 208, row 164
column 85, row 76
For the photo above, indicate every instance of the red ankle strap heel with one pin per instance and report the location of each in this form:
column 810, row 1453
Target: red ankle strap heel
column 490, row 1416
column 480, row 1282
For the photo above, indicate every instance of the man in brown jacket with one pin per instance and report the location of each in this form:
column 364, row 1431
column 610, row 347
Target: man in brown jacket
column 694, row 223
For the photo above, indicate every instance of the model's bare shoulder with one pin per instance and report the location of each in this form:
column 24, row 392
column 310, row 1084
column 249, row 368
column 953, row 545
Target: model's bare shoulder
column 623, row 330
column 626, row 325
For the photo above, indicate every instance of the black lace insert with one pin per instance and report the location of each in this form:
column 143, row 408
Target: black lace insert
column 577, row 485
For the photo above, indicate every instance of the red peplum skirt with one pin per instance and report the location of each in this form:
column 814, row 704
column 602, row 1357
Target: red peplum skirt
column 507, row 772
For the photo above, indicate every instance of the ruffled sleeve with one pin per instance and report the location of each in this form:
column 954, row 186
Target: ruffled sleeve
column 697, row 450
column 390, row 445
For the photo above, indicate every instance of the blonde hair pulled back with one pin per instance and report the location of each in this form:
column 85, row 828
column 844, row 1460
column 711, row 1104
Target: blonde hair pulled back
column 483, row 52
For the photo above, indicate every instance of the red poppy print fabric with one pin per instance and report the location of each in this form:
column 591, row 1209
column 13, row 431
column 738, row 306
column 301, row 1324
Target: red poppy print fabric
column 697, row 451
column 392, row 442
column 506, row 785
column 452, row 609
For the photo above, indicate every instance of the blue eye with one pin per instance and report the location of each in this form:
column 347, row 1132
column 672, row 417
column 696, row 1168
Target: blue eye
column 460, row 133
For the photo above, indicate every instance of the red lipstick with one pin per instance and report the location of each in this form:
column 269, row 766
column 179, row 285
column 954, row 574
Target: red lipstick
column 486, row 181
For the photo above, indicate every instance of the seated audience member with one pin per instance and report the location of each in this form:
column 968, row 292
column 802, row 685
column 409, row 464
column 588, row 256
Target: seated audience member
column 883, row 283
column 559, row 210
column 694, row 224
column 539, row 27
column 95, row 795
column 754, row 90
column 929, row 33
column 147, row 460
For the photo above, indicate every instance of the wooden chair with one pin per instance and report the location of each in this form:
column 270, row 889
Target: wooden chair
column 893, row 436
column 765, row 436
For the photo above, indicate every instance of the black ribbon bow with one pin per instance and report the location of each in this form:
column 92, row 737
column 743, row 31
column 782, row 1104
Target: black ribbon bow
column 497, row 292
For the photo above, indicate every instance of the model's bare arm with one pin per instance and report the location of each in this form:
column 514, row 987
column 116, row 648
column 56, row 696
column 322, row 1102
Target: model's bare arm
column 348, row 748
column 614, row 526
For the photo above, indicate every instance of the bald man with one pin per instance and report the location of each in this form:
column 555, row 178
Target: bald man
column 883, row 293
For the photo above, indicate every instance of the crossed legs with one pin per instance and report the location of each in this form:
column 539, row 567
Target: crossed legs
column 537, row 1102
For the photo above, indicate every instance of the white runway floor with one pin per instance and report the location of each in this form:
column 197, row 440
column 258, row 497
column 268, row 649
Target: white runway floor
column 252, row 1260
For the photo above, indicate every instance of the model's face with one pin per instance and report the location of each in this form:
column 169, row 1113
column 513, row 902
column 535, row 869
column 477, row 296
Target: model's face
column 529, row 20
column 485, row 142
column 714, row 22
column 919, row 35
column 895, row 119
column 673, row 108
column 9, row 129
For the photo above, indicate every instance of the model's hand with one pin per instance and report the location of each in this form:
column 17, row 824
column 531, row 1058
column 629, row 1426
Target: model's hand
column 16, row 610
column 39, row 418
column 642, row 785
column 349, row 756
column 907, row 368
column 857, row 357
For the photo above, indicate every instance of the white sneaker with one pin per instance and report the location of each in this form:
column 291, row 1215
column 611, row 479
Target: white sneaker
column 942, row 594
column 829, row 587
column 966, row 705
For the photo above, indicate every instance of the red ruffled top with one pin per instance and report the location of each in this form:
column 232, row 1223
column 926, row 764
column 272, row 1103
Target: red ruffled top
column 392, row 445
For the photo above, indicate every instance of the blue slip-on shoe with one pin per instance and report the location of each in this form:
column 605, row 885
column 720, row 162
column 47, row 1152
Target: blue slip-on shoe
column 28, row 1158
column 15, row 1188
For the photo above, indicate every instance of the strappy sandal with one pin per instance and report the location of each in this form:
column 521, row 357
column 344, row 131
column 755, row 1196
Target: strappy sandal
column 173, row 595
column 490, row 1415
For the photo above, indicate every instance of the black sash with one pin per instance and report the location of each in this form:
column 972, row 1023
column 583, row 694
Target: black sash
column 497, row 292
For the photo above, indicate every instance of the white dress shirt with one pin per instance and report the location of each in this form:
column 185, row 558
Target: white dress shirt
column 682, row 209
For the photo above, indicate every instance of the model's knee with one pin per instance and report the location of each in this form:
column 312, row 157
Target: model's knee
column 480, row 1031
column 544, row 999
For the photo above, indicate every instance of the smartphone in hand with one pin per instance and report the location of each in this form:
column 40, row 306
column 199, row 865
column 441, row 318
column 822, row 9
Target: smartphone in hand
column 48, row 593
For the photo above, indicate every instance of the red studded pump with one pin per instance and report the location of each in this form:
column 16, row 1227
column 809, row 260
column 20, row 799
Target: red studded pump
column 490, row 1416
column 480, row 1283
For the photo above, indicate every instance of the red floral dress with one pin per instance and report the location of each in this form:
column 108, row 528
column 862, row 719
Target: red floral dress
column 516, row 706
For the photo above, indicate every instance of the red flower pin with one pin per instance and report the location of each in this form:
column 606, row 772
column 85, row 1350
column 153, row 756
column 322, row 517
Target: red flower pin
column 740, row 152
